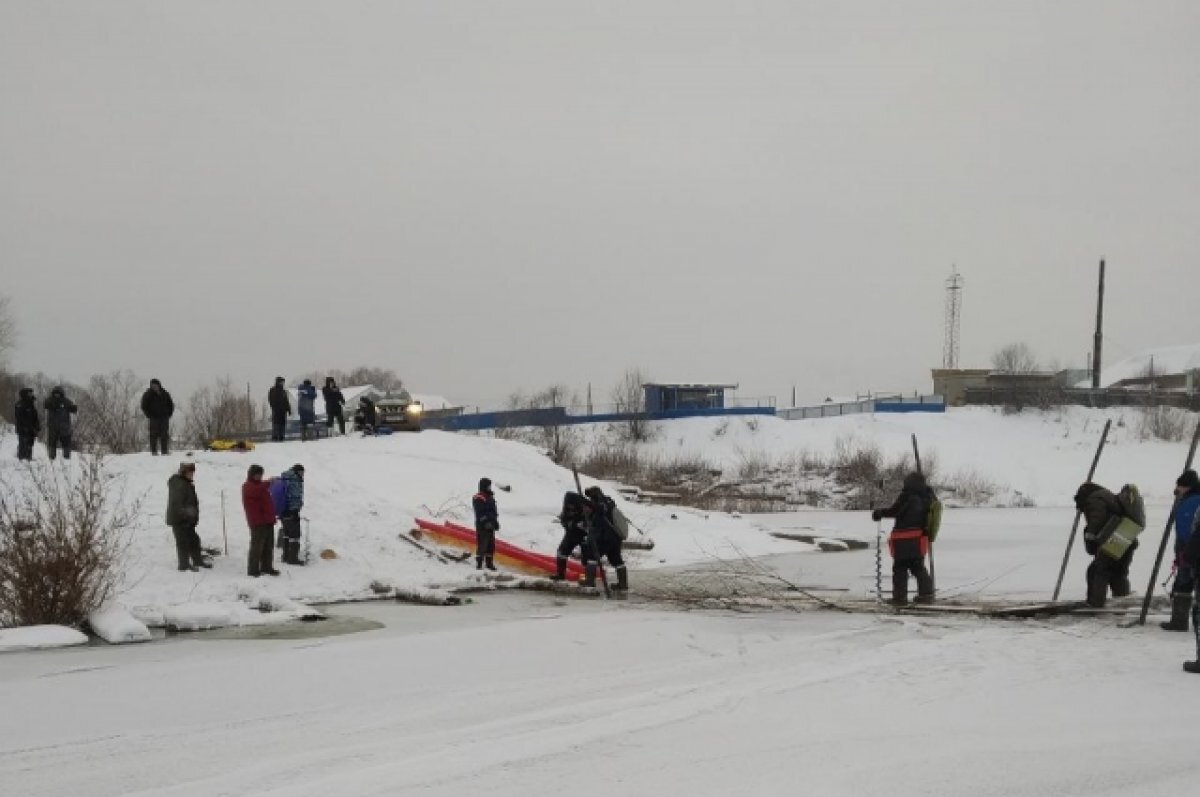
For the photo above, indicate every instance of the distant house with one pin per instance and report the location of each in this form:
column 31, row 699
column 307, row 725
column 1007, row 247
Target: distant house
column 1171, row 369
column 670, row 396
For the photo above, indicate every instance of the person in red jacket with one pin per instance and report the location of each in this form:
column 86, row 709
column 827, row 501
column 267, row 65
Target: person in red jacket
column 260, row 515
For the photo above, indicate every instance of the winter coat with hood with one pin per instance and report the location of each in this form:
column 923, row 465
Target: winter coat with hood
column 293, row 480
column 1099, row 506
column 157, row 405
column 487, row 515
column 911, row 507
column 334, row 400
column 280, row 402
column 256, row 500
column 59, row 410
column 26, row 417
column 183, row 506
column 306, row 402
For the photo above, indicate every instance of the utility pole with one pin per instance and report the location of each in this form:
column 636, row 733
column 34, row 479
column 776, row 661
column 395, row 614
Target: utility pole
column 954, row 286
column 1099, row 339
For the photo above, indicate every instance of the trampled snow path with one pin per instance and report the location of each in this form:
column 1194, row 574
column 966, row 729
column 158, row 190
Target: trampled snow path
column 521, row 695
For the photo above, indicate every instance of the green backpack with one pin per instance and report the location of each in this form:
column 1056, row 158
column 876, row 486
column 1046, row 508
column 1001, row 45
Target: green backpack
column 933, row 520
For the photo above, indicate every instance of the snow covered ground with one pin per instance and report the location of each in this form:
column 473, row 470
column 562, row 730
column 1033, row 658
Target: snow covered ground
column 363, row 493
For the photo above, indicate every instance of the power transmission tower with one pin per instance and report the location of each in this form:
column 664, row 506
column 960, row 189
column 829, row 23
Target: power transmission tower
column 954, row 286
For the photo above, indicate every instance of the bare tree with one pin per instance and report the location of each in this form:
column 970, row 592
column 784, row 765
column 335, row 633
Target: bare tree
column 629, row 396
column 109, row 417
column 560, row 439
column 384, row 379
column 216, row 412
column 63, row 532
column 8, row 330
column 1015, row 358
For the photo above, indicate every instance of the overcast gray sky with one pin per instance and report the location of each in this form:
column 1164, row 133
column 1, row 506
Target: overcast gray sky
column 493, row 195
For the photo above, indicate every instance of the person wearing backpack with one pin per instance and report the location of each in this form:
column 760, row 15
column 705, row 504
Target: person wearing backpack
column 260, row 517
column 1102, row 513
column 603, row 531
column 909, row 540
column 1187, row 495
column 573, row 519
column 292, row 487
column 487, row 523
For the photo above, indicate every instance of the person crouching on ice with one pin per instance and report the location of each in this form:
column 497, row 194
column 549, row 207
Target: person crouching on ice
column 909, row 540
column 487, row 523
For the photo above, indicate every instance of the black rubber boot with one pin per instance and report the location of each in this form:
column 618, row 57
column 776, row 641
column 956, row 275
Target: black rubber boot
column 478, row 562
column 488, row 563
column 622, row 584
column 293, row 553
column 899, row 589
column 1181, row 609
column 589, row 577
column 560, row 570
column 1192, row 666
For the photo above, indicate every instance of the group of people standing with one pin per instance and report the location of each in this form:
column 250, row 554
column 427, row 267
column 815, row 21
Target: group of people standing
column 264, row 501
column 59, row 423
column 280, row 403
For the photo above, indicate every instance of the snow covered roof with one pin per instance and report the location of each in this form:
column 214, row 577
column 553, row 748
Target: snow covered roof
column 1167, row 360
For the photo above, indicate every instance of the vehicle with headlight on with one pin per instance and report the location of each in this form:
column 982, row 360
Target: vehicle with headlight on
column 398, row 412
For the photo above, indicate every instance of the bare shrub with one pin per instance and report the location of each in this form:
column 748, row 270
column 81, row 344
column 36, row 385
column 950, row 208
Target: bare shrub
column 630, row 399
column 217, row 412
column 971, row 487
column 558, row 438
column 613, row 460
column 755, row 465
column 63, row 531
column 1170, row 424
column 109, row 420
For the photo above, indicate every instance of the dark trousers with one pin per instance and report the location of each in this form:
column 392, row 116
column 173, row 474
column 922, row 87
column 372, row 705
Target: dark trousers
column 261, row 550
column 25, row 445
column 485, row 541
column 1104, row 574
column 1185, row 580
column 187, row 547
column 572, row 538
column 337, row 415
column 54, row 440
column 900, row 570
column 289, row 530
column 159, row 432
column 609, row 548
column 278, row 427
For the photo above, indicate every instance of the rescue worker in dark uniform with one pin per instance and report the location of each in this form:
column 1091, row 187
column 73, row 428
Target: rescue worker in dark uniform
column 909, row 540
column 487, row 523
column 28, row 424
column 574, row 519
column 604, row 533
column 1102, row 511
column 1190, row 556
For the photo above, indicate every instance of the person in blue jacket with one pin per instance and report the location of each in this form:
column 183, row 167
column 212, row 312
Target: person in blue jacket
column 289, row 518
column 487, row 523
column 306, row 397
column 1187, row 491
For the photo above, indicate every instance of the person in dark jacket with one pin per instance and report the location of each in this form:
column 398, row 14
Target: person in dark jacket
column 366, row 418
column 1190, row 556
column 909, row 540
column 306, row 408
column 1101, row 513
column 260, row 516
column 281, row 408
column 29, row 425
column 602, row 531
column 289, row 519
column 158, row 407
column 334, row 404
column 183, row 515
column 573, row 518
column 1187, row 494
column 487, row 523
column 59, row 410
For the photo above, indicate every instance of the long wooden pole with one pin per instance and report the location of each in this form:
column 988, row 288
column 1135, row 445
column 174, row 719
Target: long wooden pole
column 1075, row 526
column 932, row 564
column 1162, row 545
